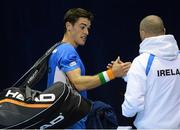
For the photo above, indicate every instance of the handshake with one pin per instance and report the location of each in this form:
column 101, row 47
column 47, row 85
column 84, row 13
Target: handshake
column 119, row 68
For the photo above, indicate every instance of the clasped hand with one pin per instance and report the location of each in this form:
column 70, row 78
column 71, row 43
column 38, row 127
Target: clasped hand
column 119, row 68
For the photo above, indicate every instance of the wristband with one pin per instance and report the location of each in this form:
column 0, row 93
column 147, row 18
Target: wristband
column 106, row 76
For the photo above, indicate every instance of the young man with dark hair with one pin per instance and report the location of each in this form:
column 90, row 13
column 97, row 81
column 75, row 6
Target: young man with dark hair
column 77, row 23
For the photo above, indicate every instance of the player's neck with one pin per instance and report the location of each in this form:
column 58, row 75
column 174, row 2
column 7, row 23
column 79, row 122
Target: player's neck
column 68, row 39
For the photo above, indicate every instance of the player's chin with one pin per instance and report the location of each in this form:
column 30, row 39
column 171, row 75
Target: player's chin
column 82, row 43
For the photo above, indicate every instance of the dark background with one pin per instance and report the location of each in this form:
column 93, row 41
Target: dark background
column 29, row 27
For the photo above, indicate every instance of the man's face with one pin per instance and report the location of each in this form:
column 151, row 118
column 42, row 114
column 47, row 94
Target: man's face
column 80, row 30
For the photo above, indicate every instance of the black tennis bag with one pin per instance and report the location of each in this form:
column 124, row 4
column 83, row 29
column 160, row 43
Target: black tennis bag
column 59, row 106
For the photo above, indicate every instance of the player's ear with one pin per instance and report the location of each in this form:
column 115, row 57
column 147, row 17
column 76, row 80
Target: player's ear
column 68, row 26
column 164, row 30
column 142, row 34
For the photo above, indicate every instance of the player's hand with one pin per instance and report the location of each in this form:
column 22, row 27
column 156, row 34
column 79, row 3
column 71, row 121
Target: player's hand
column 119, row 68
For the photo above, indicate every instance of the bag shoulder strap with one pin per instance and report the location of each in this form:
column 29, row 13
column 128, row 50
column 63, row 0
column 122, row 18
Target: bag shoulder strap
column 149, row 63
column 36, row 69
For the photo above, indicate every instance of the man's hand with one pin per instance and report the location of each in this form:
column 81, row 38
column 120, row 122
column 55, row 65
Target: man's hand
column 119, row 68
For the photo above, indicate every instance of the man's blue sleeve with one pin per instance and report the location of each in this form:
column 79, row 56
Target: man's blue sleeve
column 69, row 60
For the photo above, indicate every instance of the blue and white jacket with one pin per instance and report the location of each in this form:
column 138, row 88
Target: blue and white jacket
column 153, row 84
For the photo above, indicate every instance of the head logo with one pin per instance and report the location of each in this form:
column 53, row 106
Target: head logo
column 53, row 122
column 16, row 95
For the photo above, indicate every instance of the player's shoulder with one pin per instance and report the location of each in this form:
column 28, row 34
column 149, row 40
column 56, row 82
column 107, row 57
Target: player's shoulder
column 65, row 46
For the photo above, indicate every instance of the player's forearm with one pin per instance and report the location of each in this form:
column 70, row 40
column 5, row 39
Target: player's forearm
column 90, row 82
column 87, row 82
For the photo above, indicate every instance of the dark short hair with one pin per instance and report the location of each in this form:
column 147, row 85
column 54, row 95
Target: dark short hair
column 72, row 15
